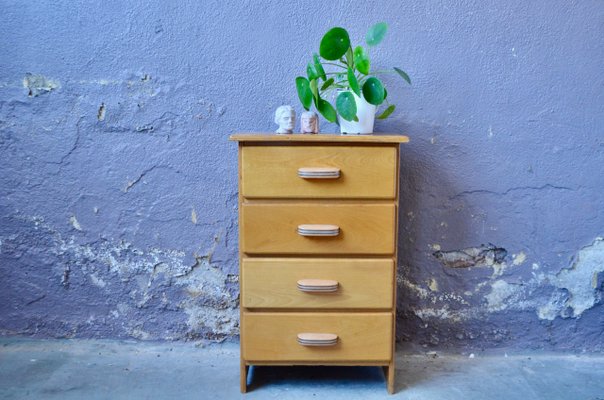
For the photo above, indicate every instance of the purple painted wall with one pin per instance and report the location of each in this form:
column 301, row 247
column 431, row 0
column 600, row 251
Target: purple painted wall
column 118, row 185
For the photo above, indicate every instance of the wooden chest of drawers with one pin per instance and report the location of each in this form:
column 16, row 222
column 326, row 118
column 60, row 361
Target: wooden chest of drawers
column 317, row 244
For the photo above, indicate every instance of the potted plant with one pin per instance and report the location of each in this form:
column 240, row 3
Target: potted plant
column 358, row 92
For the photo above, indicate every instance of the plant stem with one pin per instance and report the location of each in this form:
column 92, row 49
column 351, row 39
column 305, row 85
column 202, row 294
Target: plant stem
column 337, row 65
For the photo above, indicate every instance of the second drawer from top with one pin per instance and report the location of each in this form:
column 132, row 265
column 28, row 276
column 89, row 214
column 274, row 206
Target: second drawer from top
column 296, row 228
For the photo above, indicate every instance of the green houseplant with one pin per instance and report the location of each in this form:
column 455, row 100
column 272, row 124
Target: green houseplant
column 349, row 75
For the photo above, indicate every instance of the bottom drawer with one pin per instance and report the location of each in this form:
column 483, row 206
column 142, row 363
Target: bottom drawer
column 274, row 336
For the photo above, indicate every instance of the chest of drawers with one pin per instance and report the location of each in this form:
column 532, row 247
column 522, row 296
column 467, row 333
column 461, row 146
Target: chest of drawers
column 317, row 245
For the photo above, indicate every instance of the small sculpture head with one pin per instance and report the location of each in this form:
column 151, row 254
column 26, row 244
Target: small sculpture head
column 309, row 122
column 285, row 117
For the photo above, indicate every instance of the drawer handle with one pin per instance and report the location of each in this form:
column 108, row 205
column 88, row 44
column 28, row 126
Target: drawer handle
column 318, row 173
column 318, row 230
column 318, row 285
column 317, row 339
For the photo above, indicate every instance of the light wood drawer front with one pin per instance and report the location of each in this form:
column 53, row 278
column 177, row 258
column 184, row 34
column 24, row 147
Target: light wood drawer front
column 272, row 172
column 273, row 228
column 273, row 336
column 272, row 283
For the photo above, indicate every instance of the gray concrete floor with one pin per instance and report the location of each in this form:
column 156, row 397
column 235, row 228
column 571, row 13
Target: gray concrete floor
column 84, row 369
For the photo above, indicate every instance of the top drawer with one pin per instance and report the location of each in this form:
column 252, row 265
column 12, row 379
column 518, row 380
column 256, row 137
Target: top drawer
column 274, row 172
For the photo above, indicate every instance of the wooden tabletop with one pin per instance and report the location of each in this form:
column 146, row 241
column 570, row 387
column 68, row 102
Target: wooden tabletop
column 321, row 137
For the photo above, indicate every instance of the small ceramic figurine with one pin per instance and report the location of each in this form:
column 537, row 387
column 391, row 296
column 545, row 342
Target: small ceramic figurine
column 285, row 117
column 309, row 122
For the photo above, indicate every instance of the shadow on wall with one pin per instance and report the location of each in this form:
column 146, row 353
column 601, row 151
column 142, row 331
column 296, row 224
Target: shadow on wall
column 417, row 287
column 445, row 296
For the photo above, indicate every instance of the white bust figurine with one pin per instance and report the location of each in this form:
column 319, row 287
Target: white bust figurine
column 309, row 122
column 285, row 117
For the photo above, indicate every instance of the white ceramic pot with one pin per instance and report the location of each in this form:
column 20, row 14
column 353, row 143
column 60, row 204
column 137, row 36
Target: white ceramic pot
column 366, row 115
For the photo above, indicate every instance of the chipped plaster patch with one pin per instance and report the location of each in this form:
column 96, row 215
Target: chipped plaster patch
column 444, row 313
column 578, row 280
column 39, row 84
column 74, row 222
column 203, row 290
column 519, row 258
column 207, row 318
column 420, row 291
column 97, row 281
column 431, row 295
column 502, row 295
column 498, row 269
column 481, row 256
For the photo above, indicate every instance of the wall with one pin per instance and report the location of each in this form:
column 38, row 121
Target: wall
column 118, row 188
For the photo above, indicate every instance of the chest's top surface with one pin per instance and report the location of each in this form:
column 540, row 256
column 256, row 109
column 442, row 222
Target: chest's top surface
column 319, row 138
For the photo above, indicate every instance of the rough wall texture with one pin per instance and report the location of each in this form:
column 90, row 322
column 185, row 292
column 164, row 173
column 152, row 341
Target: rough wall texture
column 118, row 186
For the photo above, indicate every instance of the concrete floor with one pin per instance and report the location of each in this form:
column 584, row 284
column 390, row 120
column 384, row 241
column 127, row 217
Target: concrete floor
column 83, row 369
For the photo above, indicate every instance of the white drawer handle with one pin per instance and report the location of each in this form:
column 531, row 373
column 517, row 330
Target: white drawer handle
column 318, row 285
column 317, row 339
column 318, row 173
column 318, row 230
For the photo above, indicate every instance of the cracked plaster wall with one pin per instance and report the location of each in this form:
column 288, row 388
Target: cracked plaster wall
column 118, row 187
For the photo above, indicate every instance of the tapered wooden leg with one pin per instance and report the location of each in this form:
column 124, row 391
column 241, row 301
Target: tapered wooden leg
column 390, row 377
column 243, row 376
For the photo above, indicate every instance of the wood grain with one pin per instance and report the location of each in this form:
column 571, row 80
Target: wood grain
column 272, row 283
column 361, row 336
column 272, row 172
column 272, row 228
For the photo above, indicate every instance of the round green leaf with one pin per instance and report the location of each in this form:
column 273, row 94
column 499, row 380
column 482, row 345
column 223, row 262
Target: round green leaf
column 373, row 91
column 327, row 110
column 353, row 83
column 376, row 33
column 318, row 66
column 334, row 44
column 346, row 105
column 403, row 74
column 361, row 60
column 327, row 84
column 304, row 92
column 387, row 112
column 311, row 72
